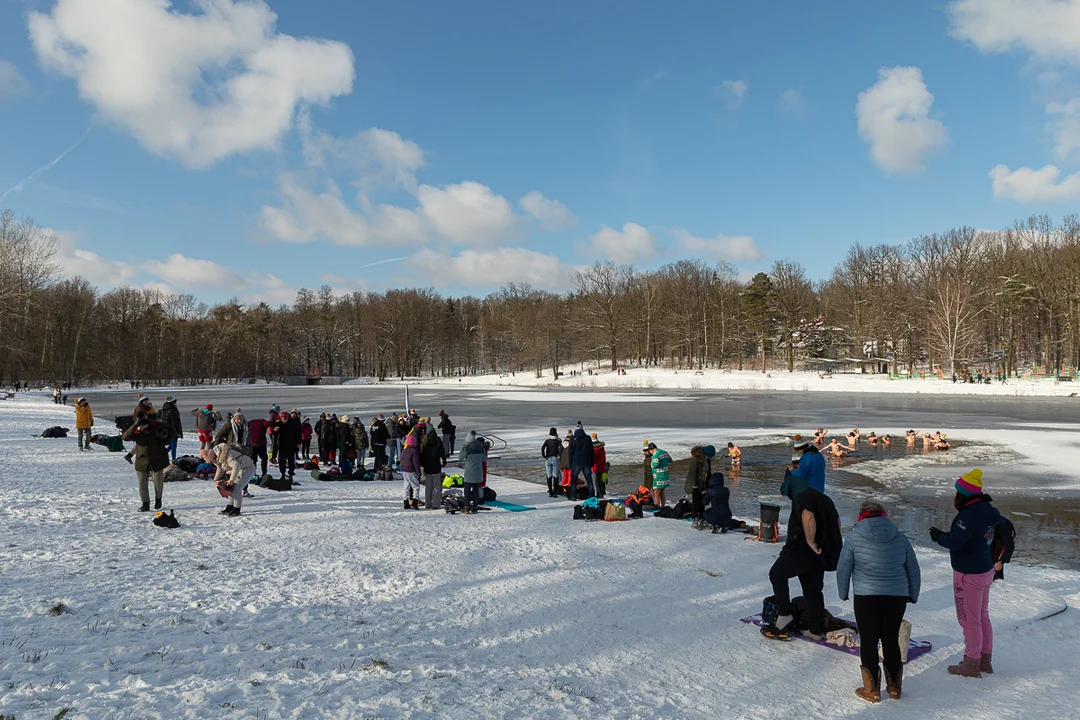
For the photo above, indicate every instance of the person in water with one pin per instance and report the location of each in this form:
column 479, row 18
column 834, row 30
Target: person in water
column 872, row 438
column 819, row 436
column 734, row 454
column 912, row 436
column 942, row 443
column 886, row 441
column 837, row 450
column 853, row 437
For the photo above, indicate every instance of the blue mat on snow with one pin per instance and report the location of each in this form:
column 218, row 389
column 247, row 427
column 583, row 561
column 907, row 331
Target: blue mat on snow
column 508, row 506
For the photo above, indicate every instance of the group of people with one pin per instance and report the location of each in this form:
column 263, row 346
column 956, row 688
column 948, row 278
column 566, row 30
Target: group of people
column 839, row 448
column 577, row 457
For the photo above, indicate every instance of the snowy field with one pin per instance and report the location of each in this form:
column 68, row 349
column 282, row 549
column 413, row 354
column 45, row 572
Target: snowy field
column 333, row 602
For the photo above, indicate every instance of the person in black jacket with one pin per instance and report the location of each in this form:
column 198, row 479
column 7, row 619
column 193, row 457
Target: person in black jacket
column 319, row 436
column 581, row 461
column 170, row 416
column 1001, row 549
column 328, row 439
column 346, row 444
column 432, row 461
column 288, row 442
column 718, row 507
column 379, row 436
column 550, row 451
column 449, row 432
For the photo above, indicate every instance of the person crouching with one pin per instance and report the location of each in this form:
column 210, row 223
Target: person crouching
column 234, row 472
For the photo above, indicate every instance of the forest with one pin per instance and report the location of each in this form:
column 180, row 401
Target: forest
column 1003, row 301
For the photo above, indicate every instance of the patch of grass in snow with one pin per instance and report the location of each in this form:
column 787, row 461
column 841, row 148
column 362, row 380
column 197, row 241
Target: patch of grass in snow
column 59, row 608
column 63, row 713
column 376, row 665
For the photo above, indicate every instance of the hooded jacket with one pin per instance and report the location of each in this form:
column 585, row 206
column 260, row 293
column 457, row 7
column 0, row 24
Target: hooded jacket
column 328, row 433
column 812, row 469
column 878, row 559
column 360, row 436
column 697, row 475
column 410, row 458
column 581, row 450
column 446, row 427
column 599, row 458
column 380, row 434
column 472, row 458
column 432, row 453
column 564, row 454
column 661, row 463
column 717, row 499
column 290, row 434
column 235, row 434
column 306, row 431
column 968, row 540
column 170, row 415
column 151, row 445
column 551, row 448
column 232, row 464
column 344, row 436
column 206, row 419
column 84, row 416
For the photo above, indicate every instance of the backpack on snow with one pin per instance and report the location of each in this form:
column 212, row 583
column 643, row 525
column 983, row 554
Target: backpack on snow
column 166, row 521
column 278, row 484
column 490, row 495
column 55, row 432
column 682, row 509
column 114, row 443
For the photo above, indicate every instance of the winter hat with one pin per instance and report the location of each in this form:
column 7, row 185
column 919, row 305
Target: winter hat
column 594, row 437
column 579, row 425
column 442, row 413
column 238, row 412
column 970, row 483
column 344, row 418
column 709, row 451
column 796, row 457
column 801, row 443
column 651, row 446
column 554, row 432
column 209, row 406
column 170, row 398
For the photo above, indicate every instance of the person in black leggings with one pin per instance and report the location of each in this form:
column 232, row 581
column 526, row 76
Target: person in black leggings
column 881, row 565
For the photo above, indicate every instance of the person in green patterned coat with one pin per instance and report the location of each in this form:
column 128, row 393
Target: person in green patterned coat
column 661, row 476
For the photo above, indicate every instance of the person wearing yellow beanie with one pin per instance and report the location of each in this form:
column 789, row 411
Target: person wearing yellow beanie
column 968, row 542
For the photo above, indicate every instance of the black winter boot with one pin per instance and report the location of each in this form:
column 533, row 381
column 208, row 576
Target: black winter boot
column 226, row 511
column 157, row 503
column 145, row 507
column 408, row 505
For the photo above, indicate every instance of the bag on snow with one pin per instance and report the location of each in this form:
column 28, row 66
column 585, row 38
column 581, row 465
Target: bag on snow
column 682, row 509
column 166, row 521
column 278, row 484
column 55, row 432
column 188, row 463
column 614, row 512
column 114, row 443
column 490, row 494
column 453, row 502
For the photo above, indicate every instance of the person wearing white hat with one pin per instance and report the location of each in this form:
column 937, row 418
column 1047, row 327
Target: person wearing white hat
column 811, row 467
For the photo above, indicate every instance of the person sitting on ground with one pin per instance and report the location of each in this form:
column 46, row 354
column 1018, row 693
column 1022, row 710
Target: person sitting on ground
column 84, row 421
column 697, row 482
column 472, row 460
column 661, row 464
column 881, row 565
column 812, row 548
column 432, row 461
column 734, row 453
column 968, row 542
column 410, row 472
column 550, row 451
column 718, row 505
column 234, row 472
column 599, row 467
column 151, row 456
column 811, row 466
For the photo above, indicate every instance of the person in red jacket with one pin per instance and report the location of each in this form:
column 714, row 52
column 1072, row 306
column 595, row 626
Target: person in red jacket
column 600, row 466
column 257, row 430
column 306, row 432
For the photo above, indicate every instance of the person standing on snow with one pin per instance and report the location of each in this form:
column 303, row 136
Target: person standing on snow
column 344, row 444
column 170, row 415
column 288, row 443
column 328, row 439
column 379, row 435
column 449, row 432
column 319, row 437
column 84, row 421
column 206, row 420
column 564, row 464
column 811, row 466
column 968, row 542
column 151, row 456
column 551, row 451
column 360, row 442
column 647, row 478
column 1001, row 550
column 697, row 482
column 813, row 547
column 599, row 466
column 235, row 432
column 881, row 565
column 234, row 472
column 410, row 472
column 472, row 459
column 305, row 438
column 581, row 461
column 257, row 431
column 392, row 442
column 661, row 462
column 432, row 461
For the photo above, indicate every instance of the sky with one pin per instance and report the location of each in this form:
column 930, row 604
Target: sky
column 242, row 148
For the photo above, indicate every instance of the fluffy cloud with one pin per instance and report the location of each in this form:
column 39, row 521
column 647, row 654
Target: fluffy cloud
column 269, row 289
column 551, row 214
column 97, row 270
column 1035, row 186
column 721, row 247
column 195, row 87
column 11, row 80
column 184, row 272
column 791, row 101
column 1048, row 29
column 492, row 268
column 630, row 244
column 894, row 119
column 467, row 212
column 733, row 92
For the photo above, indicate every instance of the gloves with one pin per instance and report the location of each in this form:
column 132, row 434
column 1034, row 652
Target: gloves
column 912, row 600
column 935, row 533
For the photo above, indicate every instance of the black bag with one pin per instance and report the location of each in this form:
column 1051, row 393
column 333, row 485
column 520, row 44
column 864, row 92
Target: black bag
column 490, row 494
column 635, row 509
column 278, row 484
column 166, row 521
column 579, row 512
column 188, row 463
column 592, row 513
column 769, row 613
column 453, row 502
column 123, row 422
column 369, row 475
column 55, row 432
column 664, row 512
column 800, row 610
column 682, row 509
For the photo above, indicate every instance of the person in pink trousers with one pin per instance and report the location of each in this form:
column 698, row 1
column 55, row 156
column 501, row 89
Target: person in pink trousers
column 968, row 542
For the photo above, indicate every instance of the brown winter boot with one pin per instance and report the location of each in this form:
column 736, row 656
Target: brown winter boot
column 968, row 667
column 986, row 665
column 871, row 689
column 894, row 684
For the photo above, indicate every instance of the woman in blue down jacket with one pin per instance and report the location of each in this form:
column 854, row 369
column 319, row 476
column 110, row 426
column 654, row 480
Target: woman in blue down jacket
column 881, row 564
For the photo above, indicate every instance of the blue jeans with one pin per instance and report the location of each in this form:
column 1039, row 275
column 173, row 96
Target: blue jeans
column 552, row 467
column 172, row 450
column 588, row 481
column 472, row 495
column 392, row 447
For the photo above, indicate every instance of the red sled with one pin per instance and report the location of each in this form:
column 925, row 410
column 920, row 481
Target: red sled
column 225, row 492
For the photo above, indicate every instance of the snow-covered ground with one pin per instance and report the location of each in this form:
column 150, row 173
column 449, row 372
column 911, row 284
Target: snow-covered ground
column 333, row 602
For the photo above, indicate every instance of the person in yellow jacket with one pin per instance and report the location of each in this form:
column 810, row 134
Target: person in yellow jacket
column 84, row 420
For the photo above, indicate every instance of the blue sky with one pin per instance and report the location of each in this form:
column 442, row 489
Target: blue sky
column 248, row 149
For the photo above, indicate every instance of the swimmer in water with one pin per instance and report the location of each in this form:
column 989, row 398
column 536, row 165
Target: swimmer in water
column 928, row 440
column 819, row 436
column 941, row 443
column 836, row 450
column 912, row 436
column 734, row 454
column 887, row 441
column 853, row 436
column 872, row 438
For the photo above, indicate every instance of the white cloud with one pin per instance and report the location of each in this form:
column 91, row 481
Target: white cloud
column 1048, row 29
column 791, row 101
column 894, row 119
column 653, row 78
column 722, row 247
column 98, row 271
column 467, row 212
column 1035, row 186
column 492, row 268
column 552, row 214
column 11, row 80
column 184, row 272
column 1065, row 127
column 270, row 289
column 733, row 92
column 197, row 88
column 630, row 244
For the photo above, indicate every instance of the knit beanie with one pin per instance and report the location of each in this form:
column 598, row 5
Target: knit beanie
column 553, row 433
column 709, row 451
column 970, row 483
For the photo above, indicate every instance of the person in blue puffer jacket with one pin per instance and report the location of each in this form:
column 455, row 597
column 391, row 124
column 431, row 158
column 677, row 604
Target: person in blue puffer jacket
column 881, row 565
column 811, row 467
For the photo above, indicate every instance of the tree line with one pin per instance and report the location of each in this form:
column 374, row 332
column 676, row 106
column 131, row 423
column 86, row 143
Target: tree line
column 1003, row 301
